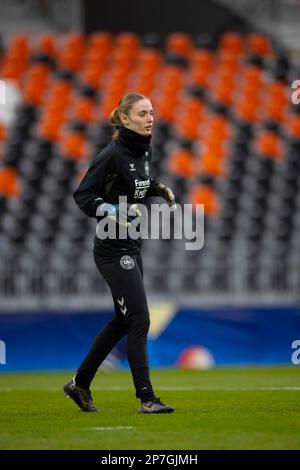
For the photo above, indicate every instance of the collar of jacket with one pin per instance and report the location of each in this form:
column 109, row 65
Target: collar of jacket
column 138, row 144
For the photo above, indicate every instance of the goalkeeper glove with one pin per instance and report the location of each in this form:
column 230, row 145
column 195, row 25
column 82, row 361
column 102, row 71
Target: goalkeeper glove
column 163, row 191
column 123, row 214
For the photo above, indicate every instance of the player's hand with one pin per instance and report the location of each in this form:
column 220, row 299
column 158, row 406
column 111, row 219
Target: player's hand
column 127, row 213
column 163, row 191
column 123, row 214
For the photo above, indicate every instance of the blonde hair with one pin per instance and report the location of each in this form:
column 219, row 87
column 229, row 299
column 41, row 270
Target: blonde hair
column 124, row 107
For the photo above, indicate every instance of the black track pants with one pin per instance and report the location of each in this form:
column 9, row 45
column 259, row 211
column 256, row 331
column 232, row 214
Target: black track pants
column 124, row 275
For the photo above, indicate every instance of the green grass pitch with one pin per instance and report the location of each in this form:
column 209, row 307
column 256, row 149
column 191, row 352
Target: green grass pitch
column 216, row 409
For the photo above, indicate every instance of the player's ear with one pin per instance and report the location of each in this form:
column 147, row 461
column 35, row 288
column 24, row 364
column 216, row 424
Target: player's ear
column 124, row 119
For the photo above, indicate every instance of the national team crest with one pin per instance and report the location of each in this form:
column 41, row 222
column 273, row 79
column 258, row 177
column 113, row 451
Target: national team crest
column 127, row 262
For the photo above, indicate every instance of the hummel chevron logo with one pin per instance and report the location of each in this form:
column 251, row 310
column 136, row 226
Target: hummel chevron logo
column 121, row 302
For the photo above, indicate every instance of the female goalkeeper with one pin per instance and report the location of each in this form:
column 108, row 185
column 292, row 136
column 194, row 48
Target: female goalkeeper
column 121, row 169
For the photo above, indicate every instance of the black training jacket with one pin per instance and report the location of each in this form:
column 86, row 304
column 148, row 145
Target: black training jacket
column 122, row 168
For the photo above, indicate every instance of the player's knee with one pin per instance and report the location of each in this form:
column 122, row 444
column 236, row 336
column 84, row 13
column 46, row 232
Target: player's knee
column 146, row 324
column 117, row 321
column 140, row 325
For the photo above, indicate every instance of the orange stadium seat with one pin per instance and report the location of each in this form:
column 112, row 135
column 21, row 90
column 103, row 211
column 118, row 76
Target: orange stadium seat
column 61, row 91
column 165, row 110
column 228, row 59
column 231, row 42
column 71, row 52
column 251, row 78
column 150, row 59
column 268, row 143
column 91, row 76
column 247, row 110
column 73, row 146
column 49, row 130
column 141, row 86
column 249, row 94
column 223, row 74
column 202, row 60
column 212, row 163
column 218, row 126
column 54, row 112
column 100, row 40
column 180, row 162
column 128, row 41
column 179, row 43
column 205, row 194
column 46, row 43
column 274, row 111
column 188, row 129
column 9, row 182
column 189, row 115
column 123, row 59
column 83, row 110
column 75, row 40
column 293, row 126
column 199, row 77
column 172, row 77
column 258, row 43
column 223, row 93
column 3, row 132
column 16, row 57
column 33, row 93
column 95, row 58
column 70, row 60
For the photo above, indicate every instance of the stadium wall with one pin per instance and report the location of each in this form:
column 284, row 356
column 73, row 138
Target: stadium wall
column 201, row 338
column 160, row 17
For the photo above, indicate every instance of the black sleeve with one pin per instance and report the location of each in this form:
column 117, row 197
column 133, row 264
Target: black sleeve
column 153, row 183
column 90, row 192
column 152, row 189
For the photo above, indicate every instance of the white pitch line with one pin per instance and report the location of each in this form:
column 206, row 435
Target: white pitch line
column 179, row 389
column 115, row 428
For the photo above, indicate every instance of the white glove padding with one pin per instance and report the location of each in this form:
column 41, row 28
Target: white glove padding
column 123, row 214
column 126, row 214
column 166, row 193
